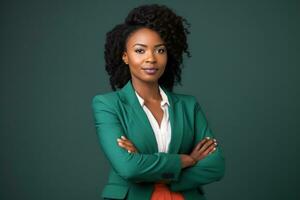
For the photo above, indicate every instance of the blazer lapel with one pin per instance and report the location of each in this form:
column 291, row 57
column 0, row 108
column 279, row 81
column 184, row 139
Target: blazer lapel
column 136, row 111
column 128, row 96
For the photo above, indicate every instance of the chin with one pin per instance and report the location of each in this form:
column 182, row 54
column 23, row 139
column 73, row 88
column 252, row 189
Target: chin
column 150, row 79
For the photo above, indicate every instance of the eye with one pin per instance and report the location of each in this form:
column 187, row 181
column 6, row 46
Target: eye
column 161, row 50
column 139, row 51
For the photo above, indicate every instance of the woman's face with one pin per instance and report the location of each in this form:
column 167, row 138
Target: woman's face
column 146, row 55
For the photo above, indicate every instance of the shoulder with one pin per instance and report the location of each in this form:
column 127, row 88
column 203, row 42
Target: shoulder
column 109, row 96
column 108, row 99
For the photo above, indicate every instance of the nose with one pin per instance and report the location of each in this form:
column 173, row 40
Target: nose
column 151, row 58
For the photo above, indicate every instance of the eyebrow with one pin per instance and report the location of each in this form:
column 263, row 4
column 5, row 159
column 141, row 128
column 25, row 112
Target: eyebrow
column 146, row 45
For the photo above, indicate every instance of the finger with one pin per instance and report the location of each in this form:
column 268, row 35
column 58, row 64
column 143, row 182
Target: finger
column 124, row 140
column 127, row 148
column 209, row 150
column 128, row 142
column 213, row 150
column 199, row 145
column 129, row 145
column 214, row 139
column 121, row 143
column 206, row 145
column 124, row 145
column 206, row 139
column 209, row 138
column 212, row 147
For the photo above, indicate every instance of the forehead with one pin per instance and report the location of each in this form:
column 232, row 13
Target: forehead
column 144, row 36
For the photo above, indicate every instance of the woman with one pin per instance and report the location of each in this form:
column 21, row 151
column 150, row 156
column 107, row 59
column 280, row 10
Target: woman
column 158, row 143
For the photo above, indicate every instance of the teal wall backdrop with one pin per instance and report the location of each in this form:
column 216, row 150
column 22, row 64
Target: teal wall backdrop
column 244, row 71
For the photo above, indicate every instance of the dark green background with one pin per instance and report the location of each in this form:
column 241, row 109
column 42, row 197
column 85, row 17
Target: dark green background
column 244, row 71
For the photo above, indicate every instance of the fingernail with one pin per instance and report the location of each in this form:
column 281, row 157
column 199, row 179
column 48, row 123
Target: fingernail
column 216, row 143
column 215, row 140
column 119, row 140
column 123, row 137
column 214, row 149
column 129, row 151
column 207, row 138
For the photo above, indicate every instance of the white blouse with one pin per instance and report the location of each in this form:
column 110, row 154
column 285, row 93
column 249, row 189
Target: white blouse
column 162, row 133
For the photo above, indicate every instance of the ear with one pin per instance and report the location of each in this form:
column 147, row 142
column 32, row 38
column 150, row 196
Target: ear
column 125, row 58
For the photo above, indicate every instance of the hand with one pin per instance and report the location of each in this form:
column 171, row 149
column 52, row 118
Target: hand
column 127, row 144
column 204, row 148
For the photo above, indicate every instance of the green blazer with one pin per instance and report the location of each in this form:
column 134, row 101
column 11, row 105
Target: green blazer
column 132, row 175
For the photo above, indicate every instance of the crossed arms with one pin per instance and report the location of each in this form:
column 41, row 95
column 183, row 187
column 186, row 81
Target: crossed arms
column 183, row 172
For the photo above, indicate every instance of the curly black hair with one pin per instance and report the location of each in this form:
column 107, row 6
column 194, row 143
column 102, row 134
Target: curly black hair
column 173, row 30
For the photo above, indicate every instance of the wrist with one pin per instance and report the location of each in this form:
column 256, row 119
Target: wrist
column 194, row 161
column 187, row 160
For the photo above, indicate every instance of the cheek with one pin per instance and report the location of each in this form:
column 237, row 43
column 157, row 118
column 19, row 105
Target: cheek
column 134, row 59
column 136, row 62
column 163, row 61
column 134, row 66
column 163, row 58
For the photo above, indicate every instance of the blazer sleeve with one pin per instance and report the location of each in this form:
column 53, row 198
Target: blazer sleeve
column 135, row 167
column 207, row 170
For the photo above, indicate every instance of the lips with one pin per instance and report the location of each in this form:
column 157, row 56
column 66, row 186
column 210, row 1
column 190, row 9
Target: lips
column 150, row 70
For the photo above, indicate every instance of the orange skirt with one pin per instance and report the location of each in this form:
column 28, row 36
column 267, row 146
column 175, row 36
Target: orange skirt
column 162, row 192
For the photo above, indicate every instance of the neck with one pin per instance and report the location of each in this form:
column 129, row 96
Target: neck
column 148, row 91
